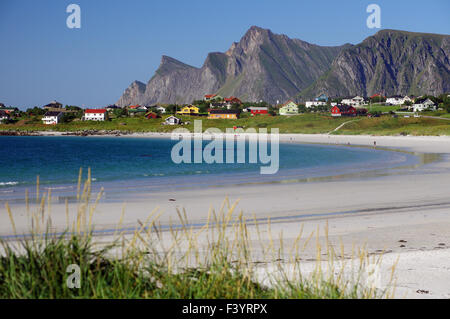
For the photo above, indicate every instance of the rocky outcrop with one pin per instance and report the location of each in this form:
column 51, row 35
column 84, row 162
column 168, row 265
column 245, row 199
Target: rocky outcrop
column 132, row 94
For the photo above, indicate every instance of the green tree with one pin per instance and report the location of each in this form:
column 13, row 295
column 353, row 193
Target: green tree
column 172, row 108
column 202, row 108
column 68, row 117
column 272, row 111
column 378, row 99
column 35, row 111
column 73, row 108
column 445, row 102
column 302, row 108
column 120, row 112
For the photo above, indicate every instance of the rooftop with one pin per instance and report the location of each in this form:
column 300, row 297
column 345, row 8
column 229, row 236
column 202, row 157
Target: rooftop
column 344, row 108
column 224, row 111
column 52, row 113
column 94, row 111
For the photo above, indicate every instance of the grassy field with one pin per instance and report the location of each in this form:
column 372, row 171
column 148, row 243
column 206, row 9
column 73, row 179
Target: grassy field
column 304, row 123
column 382, row 108
column 397, row 126
column 144, row 265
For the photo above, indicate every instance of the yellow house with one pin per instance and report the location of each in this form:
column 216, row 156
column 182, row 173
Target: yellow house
column 188, row 110
column 224, row 114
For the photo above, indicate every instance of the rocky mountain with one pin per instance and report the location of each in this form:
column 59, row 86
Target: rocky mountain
column 272, row 67
column 390, row 62
column 261, row 66
column 132, row 93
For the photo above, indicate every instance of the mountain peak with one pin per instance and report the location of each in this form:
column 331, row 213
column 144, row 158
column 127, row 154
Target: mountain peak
column 169, row 65
column 256, row 31
column 136, row 82
column 253, row 38
column 255, row 28
column 171, row 61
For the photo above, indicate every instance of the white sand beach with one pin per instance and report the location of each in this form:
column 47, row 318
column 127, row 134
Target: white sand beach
column 405, row 213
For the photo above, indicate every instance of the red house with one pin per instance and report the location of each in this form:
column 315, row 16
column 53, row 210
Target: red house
column 211, row 97
column 233, row 100
column 151, row 115
column 378, row 95
column 258, row 110
column 343, row 110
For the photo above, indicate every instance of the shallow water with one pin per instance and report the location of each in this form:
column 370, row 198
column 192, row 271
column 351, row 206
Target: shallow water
column 132, row 163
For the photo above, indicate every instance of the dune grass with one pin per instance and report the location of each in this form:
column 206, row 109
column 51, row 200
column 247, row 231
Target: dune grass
column 213, row 261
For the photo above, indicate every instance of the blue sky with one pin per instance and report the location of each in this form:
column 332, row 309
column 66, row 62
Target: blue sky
column 122, row 41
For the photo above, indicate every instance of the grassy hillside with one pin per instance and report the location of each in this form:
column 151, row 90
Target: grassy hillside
column 304, row 123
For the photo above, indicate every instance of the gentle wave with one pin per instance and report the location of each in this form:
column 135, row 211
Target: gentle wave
column 8, row 183
column 59, row 188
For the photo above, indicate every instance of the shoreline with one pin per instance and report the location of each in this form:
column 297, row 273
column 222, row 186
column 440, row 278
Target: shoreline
column 390, row 141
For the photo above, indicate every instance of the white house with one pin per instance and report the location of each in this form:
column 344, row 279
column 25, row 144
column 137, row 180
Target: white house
column 310, row 104
column 161, row 109
column 398, row 100
column 407, row 99
column 395, row 100
column 95, row 115
column 172, row 120
column 52, row 117
column 356, row 101
column 423, row 104
column 3, row 116
column 289, row 108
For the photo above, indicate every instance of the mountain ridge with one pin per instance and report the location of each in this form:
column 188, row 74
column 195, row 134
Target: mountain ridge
column 391, row 62
column 273, row 67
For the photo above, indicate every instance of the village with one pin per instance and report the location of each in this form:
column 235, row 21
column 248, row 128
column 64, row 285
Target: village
column 214, row 106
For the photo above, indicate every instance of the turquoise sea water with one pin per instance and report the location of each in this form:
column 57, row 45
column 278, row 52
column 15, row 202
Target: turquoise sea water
column 125, row 162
